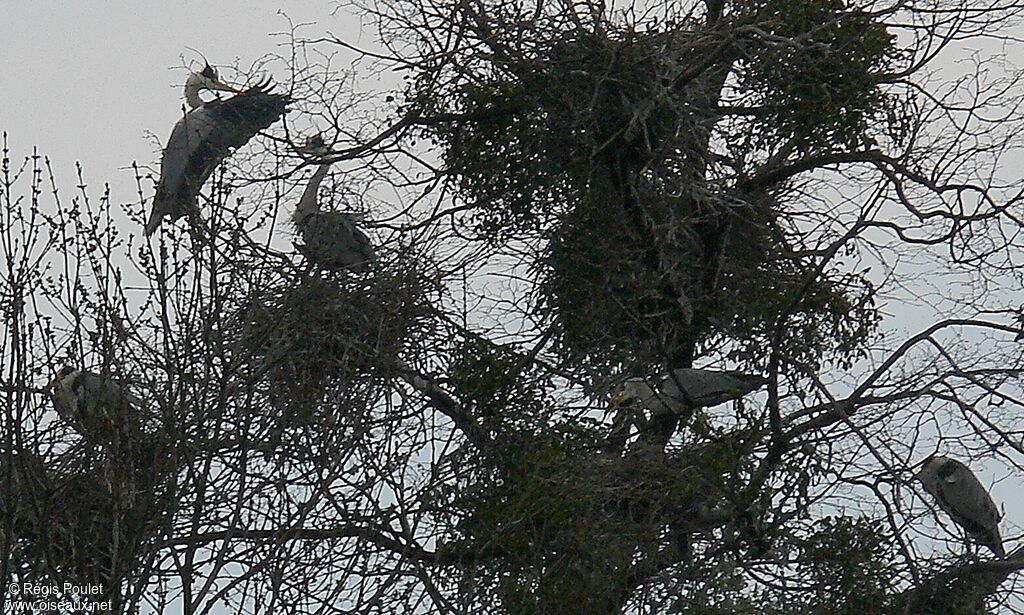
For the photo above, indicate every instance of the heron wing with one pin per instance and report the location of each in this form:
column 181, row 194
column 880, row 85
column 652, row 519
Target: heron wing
column 333, row 240
column 964, row 498
column 103, row 393
column 240, row 117
column 201, row 140
column 359, row 240
column 705, row 387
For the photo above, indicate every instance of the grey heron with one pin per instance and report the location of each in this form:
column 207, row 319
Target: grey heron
column 331, row 239
column 93, row 405
column 684, row 389
column 960, row 494
column 204, row 137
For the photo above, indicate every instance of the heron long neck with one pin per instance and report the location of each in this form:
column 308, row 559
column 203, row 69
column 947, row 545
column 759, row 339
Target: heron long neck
column 308, row 203
column 192, row 88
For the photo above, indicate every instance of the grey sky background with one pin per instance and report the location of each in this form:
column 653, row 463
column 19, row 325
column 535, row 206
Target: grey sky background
column 86, row 81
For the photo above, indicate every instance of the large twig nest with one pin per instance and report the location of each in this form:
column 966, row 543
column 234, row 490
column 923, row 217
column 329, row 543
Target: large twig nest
column 309, row 338
column 85, row 515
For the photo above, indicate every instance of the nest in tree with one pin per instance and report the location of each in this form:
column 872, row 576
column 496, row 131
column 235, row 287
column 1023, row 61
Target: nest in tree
column 602, row 144
column 310, row 337
column 84, row 516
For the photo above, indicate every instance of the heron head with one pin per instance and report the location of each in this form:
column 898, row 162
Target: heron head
column 926, row 468
column 64, row 372
column 314, row 146
column 209, row 80
column 631, row 390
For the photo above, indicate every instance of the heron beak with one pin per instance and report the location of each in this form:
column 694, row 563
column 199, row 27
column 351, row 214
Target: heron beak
column 223, row 87
column 51, row 384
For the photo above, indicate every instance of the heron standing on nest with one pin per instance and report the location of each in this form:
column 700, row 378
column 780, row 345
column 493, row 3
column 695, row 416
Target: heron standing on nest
column 331, row 239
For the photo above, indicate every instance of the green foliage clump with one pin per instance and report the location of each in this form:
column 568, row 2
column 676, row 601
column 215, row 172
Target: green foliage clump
column 816, row 73
column 496, row 382
column 601, row 282
column 598, row 144
column 508, row 161
column 848, row 563
column 559, row 526
column 843, row 567
column 540, row 143
column 542, row 531
column 829, row 317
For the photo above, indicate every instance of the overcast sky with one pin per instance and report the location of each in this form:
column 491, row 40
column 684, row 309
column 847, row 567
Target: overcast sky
column 85, row 81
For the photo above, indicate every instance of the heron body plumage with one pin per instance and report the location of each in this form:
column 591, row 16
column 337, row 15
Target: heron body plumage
column 960, row 494
column 202, row 139
column 331, row 239
column 93, row 405
column 684, row 389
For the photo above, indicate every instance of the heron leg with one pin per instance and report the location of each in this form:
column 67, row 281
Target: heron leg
column 970, row 553
column 622, row 424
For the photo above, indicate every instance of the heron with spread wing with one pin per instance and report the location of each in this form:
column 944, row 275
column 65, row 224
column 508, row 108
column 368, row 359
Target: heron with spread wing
column 204, row 137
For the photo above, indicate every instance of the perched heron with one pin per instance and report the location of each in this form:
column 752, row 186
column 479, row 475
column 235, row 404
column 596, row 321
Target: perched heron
column 331, row 238
column 95, row 406
column 960, row 494
column 204, row 137
column 685, row 389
